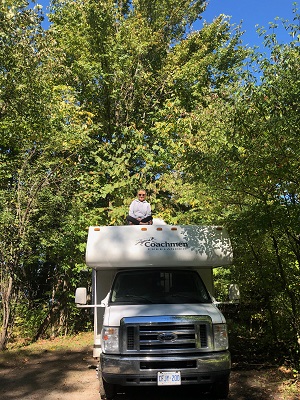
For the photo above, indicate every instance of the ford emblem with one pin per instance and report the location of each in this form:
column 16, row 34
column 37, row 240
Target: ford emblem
column 167, row 337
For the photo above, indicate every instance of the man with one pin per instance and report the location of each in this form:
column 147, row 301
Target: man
column 140, row 210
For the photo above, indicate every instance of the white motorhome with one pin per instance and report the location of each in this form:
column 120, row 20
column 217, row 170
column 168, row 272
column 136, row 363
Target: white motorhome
column 155, row 320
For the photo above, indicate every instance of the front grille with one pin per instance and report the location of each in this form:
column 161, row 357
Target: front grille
column 168, row 365
column 130, row 338
column 159, row 337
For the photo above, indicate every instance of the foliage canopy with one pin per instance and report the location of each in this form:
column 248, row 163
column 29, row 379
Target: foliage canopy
column 117, row 95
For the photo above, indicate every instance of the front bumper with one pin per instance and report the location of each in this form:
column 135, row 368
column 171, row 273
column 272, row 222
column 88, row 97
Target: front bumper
column 142, row 371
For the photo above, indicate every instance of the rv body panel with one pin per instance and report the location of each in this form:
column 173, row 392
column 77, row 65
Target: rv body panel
column 115, row 247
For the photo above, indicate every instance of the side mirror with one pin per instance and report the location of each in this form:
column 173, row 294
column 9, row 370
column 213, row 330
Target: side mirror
column 104, row 301
column 81, row 295
column 234, row 292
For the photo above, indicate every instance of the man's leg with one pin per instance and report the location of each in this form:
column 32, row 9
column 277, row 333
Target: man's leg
column 147, row 220
column 133, row 220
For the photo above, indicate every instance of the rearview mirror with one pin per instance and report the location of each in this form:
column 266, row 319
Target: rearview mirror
column 234, row 292
column 81, row 295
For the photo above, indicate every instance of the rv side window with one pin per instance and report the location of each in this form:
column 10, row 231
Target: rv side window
column 158, row 287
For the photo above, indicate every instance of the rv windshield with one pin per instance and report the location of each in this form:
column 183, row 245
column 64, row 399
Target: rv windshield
column 158, row 287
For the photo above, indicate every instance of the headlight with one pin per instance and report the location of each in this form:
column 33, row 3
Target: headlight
column 220, row 337
column 110, row 340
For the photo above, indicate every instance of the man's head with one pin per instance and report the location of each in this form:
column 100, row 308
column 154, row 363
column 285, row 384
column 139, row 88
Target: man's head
column 141, row 194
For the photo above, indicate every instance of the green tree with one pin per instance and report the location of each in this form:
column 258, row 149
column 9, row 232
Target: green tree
column 41, row 128
column 250, row 163
column 138, row 68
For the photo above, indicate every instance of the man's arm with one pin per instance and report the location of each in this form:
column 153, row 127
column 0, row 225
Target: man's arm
column 131, row 210
column 148, row 212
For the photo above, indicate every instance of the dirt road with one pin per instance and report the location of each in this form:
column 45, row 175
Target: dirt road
column 50, row 376
column 71, row 375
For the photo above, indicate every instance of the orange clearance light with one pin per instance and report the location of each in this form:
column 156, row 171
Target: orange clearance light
column 97, row 228
column 159, row 229
column 143, row 229
column 173, row 228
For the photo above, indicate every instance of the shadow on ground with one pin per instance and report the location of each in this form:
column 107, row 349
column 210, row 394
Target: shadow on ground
column 57, row 375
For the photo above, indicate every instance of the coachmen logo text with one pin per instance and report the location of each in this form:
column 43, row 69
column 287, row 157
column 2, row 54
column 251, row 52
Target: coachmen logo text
column 152, row 243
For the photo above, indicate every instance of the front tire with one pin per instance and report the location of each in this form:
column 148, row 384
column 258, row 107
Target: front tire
column 107, row 390
column 220, row 389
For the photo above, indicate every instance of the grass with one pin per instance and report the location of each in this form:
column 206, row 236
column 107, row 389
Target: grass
column 18, row 351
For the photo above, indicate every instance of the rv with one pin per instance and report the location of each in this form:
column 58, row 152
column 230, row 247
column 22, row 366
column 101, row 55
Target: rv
column 156, row 322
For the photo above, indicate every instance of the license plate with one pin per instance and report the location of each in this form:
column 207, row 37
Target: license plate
column 168, row 378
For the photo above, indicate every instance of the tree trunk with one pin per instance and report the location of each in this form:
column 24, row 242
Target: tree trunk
column 6, row 289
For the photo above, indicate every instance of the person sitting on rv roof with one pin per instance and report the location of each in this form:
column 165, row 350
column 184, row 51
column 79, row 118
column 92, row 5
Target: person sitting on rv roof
column 140, row 210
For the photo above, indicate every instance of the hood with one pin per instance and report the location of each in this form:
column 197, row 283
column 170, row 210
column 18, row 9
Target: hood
column 114, row 314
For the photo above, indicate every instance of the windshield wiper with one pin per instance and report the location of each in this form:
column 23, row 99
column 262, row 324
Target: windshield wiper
column 135, row 297
column 189, row 297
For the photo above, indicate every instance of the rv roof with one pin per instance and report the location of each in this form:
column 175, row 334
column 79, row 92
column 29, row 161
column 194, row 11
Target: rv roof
column 115, row 247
